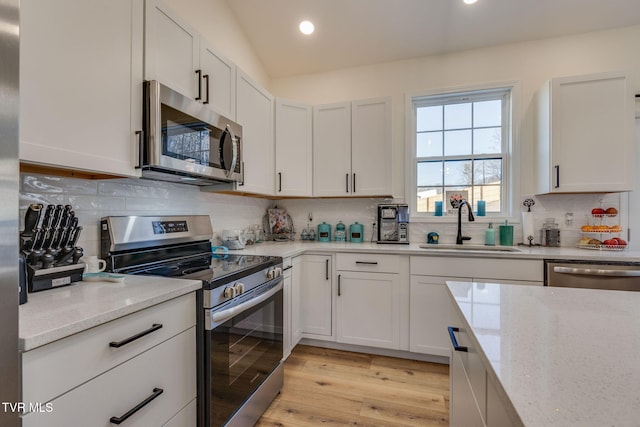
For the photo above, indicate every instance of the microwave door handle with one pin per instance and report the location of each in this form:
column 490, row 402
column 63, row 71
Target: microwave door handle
column 234, row 160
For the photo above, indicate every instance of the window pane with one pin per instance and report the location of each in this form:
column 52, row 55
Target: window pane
column 487, row 113
column 429, row 174
column 457, row 116
column 429, row 144
column 491, row 194
column 457, row 143
column 487, row 171
column 457, row 172
column 427, row 197
column 487, row 141
column 429, row 118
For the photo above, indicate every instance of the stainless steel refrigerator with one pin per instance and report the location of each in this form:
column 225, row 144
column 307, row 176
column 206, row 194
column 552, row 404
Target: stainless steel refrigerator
column 9, row 176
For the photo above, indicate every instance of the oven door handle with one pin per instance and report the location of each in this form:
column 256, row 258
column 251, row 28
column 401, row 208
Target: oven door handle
column 597, row 272
column 224, row 315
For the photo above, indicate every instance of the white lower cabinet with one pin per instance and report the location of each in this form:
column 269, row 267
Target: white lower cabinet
column 315, row 296
column 372, row 300
column 430, row 303
column 464, row 410
column 101, row 374
column 368, row 309
column 296, row 300
column 429, row 309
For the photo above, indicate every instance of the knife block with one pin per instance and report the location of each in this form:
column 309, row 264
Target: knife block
column 49, row 278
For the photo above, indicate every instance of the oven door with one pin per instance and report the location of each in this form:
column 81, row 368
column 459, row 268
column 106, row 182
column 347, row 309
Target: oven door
column 242, row 346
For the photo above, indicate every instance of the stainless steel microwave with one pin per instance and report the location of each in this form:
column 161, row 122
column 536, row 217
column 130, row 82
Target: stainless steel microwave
column 185, row 141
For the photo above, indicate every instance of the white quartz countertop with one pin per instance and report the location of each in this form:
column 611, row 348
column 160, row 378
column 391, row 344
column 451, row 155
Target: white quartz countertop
column 57, row 313
column 298, row 247
column 565, row 357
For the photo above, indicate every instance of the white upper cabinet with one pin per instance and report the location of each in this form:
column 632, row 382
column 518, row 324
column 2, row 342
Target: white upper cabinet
column 371, row 147
column 254, row 112
column 584, row 134
column 294, row 156
column 352, row 149
column 332, row 150
column 81, row 84
column 177, row 56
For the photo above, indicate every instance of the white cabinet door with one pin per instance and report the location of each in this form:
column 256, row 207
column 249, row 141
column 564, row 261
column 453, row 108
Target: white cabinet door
column 254, row 112
column 294, row 156
column 371, row 147
column 296, row 301
column 219, row 81
column 463, row 411
column 581, row 119
column 316, row 291
column 81, row 84
column 332, row 150
column 429, row 313
column 368, row 309
column 172, row 49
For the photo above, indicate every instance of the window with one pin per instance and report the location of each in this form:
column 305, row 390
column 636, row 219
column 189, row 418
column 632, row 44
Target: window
column 461, row 150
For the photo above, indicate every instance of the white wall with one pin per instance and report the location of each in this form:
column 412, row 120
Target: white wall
column 216, row 22
column 529, row 63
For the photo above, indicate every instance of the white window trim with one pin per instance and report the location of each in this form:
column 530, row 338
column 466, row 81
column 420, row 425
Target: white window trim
column 512, row 167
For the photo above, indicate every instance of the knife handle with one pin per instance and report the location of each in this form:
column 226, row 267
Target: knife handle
column 31, row 219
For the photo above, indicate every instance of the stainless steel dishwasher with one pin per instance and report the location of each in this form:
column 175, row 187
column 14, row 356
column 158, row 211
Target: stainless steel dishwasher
column 620, row 276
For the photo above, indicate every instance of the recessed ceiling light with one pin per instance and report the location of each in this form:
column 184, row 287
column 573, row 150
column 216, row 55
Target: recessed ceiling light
column 306, row 27
column 470, row 1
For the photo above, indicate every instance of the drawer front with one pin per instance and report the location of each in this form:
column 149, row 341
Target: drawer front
column 481, row 268
column 51, row 370
column 170, row 366
column 375, row 263
column 187, row 417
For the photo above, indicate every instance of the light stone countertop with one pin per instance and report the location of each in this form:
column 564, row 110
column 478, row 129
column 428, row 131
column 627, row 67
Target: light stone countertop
column 57, row 313
column 565, row 357
column 298, row 247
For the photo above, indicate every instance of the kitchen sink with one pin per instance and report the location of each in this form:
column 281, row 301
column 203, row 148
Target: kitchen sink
column 471, row 248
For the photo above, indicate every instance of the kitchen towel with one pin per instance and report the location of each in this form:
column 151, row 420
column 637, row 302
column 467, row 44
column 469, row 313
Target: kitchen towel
column 527, row 228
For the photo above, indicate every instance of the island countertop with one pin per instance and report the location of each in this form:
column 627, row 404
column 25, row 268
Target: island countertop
column 563, row 356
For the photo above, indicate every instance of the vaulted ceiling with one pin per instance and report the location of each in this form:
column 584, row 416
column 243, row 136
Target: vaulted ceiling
column 361, row 32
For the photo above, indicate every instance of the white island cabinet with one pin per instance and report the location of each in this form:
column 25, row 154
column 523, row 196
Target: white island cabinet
column 550, row 356
column 81, row 84
column 98, row 376
column 581, row 120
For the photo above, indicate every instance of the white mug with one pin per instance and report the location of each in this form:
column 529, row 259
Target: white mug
column 95, row 264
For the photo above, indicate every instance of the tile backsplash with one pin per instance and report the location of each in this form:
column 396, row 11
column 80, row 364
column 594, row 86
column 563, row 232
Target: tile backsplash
column 93, row 199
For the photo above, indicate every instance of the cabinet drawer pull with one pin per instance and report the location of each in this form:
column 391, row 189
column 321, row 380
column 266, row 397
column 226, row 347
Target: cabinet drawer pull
column 289, row 267
column 199, row 74
column 454, row 341
column 326, row 268
column 206, row 92
column 119, row 420
column 118, row 344
column 279, row 181
column 346, row 183
column 557, row 167
column 367, row 262
column 339, row 290
column 353, row 186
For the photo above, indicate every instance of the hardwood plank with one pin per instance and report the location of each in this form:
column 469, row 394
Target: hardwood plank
column 334, row 387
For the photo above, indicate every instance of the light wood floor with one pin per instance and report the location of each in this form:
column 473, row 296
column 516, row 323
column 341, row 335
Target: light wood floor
column 331, row 387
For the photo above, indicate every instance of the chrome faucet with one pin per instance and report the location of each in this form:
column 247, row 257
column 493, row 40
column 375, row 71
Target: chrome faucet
column 460, row 237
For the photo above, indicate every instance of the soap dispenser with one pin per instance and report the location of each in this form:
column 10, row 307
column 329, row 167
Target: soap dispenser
column 490, row 236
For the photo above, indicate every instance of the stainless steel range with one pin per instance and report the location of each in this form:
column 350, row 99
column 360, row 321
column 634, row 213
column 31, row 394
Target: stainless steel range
column 240, row 309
